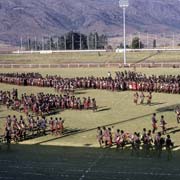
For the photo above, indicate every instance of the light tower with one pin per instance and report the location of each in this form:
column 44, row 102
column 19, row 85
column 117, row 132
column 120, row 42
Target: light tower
column 124, row 4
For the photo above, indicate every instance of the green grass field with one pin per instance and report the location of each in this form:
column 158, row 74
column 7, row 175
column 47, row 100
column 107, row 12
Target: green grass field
column 103, row 57
column 114, row 107
column 77, row 155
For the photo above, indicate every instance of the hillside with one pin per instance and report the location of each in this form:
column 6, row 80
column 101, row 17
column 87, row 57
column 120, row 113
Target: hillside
column 28, row 18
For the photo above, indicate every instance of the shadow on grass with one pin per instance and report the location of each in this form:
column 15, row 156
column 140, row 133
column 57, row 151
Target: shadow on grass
column 92, row 129
column 67, row 163
column 167, row 108
column 72, row 132
column 157, row 103
column 175, row 131
column 171, row 128
column 3, row 117
column 159, row 110
column 36, row 134
column 79, row 92
column 103, row 109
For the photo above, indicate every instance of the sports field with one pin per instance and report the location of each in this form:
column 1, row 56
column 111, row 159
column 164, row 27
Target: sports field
column 93, row 57
column 77, row 156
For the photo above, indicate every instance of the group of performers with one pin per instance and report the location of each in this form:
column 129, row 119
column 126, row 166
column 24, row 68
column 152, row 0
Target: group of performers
column 42, row 104
column 18, row 129
column 139, row 98
column 147, row 140
column 127, row 80
column 162, row 124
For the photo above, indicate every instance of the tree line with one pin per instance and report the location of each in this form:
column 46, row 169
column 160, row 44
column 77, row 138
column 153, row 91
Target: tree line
column 69, row 41
column 137, row 44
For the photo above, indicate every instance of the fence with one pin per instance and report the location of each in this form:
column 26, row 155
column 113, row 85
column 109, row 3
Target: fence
column 93, row 65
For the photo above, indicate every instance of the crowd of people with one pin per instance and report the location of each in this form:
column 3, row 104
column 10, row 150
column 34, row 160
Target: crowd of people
column 147, row 140
column 126, row 80
column 139, row 98
column 18, row 129
column 42, row 104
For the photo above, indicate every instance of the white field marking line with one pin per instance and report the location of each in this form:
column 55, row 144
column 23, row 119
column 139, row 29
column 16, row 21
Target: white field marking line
column 91, row 166
column 139, row 173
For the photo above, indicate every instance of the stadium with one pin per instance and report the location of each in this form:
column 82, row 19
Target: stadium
column 89, row 113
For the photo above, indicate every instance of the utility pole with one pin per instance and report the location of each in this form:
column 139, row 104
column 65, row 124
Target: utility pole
column 72, row 41
column 65, row 46
column 164, row 40
column 139, row 40
column 95, row 41
column 50, row 43
column 35, row 44
column 42, row 43
column 88, row 42
column 21, row 44
column 80, row 39
column 28, row 43
column 147, row 40
column 173, row 41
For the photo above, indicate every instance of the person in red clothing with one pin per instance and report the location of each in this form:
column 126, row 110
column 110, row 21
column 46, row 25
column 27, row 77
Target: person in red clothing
column 136, row 96
column 163, row 124
column 154, row 123
column 100, row 136
column 149, row 98
column 177, row 111
column 142, row 98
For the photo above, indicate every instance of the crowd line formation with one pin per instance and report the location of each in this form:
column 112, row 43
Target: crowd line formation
column 18, row 129
column 126, row 80
column 42, row 104
column 148, row 140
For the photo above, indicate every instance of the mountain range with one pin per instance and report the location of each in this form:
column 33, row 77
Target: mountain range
column 30, row 18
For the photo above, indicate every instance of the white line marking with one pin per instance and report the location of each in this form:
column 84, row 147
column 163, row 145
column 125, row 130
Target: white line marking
column 91, row 166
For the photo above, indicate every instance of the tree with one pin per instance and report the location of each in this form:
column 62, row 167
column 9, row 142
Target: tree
column 91, row 41
column 154, row 43
column 136, row 43
column 121, row 46
column 69, row 41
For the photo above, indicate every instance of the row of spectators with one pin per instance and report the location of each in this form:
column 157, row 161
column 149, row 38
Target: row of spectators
column 126, row 80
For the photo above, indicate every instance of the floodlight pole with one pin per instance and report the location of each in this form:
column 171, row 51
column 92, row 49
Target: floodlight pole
column 124, row 30
column 21, row 44
column 124, row 4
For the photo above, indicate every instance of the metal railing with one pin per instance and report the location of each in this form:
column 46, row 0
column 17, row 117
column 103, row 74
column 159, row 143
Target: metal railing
column 93, row 65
